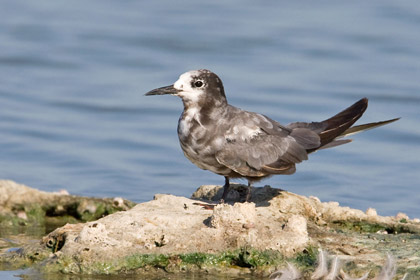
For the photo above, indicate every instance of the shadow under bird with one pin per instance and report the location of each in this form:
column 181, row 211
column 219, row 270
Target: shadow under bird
column 235, row 143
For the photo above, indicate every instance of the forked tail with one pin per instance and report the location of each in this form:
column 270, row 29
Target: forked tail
column 340, row 125
column 363, row 127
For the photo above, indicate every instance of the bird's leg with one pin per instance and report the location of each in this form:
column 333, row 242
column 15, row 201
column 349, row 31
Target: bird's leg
column 248, row 192
column 225, row 189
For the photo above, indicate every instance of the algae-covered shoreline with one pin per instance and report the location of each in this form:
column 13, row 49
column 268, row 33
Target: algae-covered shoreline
column 174, row 235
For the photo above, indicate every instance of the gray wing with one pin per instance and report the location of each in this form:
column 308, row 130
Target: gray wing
column 258, row 146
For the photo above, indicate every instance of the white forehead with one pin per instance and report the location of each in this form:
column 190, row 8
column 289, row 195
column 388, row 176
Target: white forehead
column 185, row 79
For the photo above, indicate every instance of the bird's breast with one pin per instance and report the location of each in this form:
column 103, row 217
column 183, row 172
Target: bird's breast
column 189, row 125
column 199, row 142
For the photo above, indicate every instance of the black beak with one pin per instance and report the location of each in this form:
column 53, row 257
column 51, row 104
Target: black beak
column 163, row 90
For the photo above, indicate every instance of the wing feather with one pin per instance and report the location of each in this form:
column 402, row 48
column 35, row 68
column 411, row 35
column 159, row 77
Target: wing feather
column 258, row 146
column 263, row 155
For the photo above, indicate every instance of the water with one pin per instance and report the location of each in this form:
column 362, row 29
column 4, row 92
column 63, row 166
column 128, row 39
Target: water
column 73, row 75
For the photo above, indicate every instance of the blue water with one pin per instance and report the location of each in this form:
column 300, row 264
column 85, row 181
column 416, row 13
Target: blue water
column 73, row 74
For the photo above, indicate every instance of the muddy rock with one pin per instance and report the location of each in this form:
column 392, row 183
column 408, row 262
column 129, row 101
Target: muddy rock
column 181, row 234
column 24, row 206
column 178, row 225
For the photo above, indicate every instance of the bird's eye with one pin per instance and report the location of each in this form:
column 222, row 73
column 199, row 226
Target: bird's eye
column 198, row 83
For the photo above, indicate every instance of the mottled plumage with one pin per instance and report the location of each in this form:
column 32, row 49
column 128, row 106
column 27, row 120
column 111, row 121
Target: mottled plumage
column 239, row 144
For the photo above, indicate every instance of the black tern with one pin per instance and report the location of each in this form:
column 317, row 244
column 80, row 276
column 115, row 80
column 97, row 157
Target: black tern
column 235, row 143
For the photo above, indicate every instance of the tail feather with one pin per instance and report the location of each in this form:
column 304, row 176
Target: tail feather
column 339, row 123
column 331, row 130
column 335, row 143
column 363, row 127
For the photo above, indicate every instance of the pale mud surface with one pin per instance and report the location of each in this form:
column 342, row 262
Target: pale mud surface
column 274, row 221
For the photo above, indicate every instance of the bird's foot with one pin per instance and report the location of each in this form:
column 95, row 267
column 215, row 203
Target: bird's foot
column 248, row 193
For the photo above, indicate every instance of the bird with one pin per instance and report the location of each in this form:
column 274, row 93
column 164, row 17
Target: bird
column 235, row 143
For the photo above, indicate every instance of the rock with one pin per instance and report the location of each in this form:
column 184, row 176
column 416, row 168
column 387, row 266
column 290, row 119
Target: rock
column 233, row 216
column 181, row 234
column 24, row 206
column 401, row 216
column 371, row 212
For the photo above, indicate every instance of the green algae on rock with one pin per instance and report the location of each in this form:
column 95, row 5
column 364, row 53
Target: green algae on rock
column 176, row 234
column 28, row 207
column 240, row 261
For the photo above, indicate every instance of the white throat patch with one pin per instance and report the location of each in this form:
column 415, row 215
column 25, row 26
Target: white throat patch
column 187, row 92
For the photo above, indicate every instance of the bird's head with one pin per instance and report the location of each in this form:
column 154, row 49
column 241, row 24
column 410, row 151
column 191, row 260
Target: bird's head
column 196, row 88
